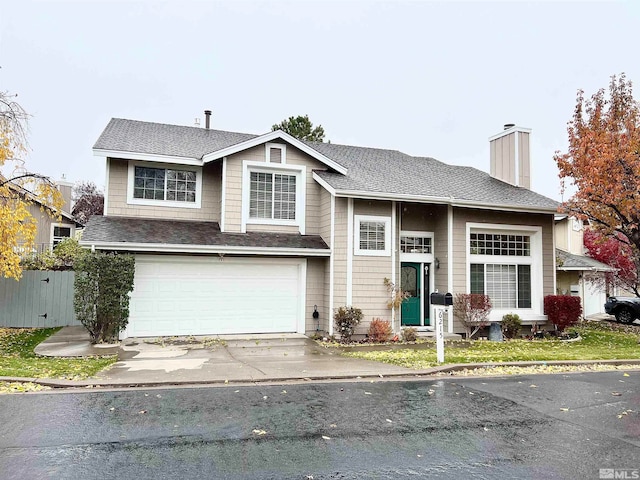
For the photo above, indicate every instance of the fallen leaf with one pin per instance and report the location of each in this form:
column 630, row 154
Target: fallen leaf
column 625, row 374
column 226, row 381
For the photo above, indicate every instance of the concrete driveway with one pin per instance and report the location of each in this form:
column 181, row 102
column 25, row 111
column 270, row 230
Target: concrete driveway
column 173, row 360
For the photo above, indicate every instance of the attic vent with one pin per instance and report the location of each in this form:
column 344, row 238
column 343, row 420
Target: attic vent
column 275, row 155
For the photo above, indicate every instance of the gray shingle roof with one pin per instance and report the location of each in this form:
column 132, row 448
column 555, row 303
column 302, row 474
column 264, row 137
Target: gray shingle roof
column 370, row 170
column 570, row 261
column 393, row 172
column 161, row 139
column 110, row 230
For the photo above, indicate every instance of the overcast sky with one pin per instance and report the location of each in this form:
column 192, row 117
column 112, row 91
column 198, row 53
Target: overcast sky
column 426, row 78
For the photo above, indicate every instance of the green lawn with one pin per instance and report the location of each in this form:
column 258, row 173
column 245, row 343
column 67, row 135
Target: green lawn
column 17, row 358
column 600, row 341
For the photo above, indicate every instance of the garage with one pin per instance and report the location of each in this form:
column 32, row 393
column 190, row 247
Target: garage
column 207, row 295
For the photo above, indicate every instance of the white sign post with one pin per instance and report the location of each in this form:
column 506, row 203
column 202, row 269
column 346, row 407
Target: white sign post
column 439, row 311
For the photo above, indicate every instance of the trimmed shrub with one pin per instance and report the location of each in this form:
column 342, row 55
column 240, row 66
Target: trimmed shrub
column 562, row 310
column 472, row 309
column 409, row 334
column 511, row 325
column 101, row 299
column 346, row 320
column 379, row 330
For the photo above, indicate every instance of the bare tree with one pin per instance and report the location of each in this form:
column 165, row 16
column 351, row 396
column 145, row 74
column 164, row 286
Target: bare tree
column 88, row 200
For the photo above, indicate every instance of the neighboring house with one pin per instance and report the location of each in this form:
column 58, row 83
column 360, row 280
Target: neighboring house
column 50, row 231
column 240, row 233
column 576, row 273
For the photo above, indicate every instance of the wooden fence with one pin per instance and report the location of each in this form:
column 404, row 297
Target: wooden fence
column 38, row 299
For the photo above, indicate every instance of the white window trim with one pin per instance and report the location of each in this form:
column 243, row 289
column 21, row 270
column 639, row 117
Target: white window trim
column 535, row 260
column 163, row 203
column 283, row 152
column 249, row 166
column 387, row 235
column 72, row 231
column 417, row 257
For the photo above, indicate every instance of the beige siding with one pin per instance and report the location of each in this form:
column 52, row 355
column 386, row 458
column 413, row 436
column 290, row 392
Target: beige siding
column 369, row 272
column 569, row 239
column 562, row 234
column 271, row 228
column 44, row 232
column 340, row 254
column 502, row 158
column 326, row 316
column 461, row 216
column 233, row 194
column 324, row 216
column 316, row 271
column 524, row 166
column 117, row 202
column 43, row 225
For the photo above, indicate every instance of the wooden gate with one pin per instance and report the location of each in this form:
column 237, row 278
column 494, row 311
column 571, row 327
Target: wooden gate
column 41, row 298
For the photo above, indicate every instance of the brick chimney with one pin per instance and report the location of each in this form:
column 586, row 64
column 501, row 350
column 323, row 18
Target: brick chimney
column 65, row 189
column 510, row 156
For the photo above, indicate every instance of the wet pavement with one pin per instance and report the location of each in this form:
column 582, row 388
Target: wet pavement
column 527, row 427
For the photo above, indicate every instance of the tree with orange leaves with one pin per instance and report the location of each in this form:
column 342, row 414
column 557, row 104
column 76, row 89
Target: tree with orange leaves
column 603, row 163
column 19, row 190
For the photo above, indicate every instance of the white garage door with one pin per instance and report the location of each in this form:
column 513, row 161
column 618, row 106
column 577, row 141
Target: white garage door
column 179, row 295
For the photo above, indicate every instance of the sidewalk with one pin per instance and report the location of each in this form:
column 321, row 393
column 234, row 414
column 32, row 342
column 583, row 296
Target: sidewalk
column 210, row 360
column 231, row 359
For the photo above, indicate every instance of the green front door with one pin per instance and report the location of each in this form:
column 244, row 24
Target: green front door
column 414, row 279
column 410, row 282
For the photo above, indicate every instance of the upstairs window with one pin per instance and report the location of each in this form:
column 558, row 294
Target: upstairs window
column 272, row 196
column 164, row 184
column 373, row 235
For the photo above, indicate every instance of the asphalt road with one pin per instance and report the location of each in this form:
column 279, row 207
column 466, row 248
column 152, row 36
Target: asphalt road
column 527, row 427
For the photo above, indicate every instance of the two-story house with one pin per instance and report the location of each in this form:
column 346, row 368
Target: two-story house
column 242, row 233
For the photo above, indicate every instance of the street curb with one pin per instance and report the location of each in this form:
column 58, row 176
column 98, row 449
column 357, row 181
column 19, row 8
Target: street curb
column 97, row 383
